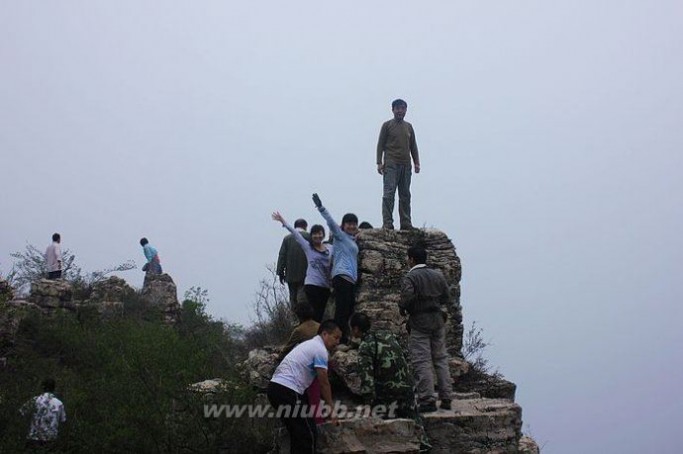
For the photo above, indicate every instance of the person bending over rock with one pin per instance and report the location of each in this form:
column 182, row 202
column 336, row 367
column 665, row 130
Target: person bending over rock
column 286, row 390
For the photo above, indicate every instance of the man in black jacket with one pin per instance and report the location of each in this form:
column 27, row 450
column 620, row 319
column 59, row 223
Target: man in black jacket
column 423, row 294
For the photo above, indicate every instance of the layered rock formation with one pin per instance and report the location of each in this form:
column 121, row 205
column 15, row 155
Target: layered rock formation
column 484, row 418
column 160, row 291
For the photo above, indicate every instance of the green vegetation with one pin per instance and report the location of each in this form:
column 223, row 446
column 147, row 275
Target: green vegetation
column 124, row 381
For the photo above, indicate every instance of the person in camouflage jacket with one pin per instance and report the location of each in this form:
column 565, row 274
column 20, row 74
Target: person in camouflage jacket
column 384, row 372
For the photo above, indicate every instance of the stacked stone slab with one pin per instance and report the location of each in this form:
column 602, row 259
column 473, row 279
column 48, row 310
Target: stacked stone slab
column 382, row 266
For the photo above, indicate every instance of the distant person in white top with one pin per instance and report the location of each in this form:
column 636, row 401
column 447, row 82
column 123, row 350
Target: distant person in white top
column 53, row 257
column 286, row 390
column 46, row 412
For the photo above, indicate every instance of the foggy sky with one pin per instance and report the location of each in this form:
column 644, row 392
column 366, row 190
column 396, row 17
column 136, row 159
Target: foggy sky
column 550, row 138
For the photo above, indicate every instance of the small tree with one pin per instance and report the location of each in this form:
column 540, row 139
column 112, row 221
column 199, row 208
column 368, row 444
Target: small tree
column 274, row 318
column 473, row 348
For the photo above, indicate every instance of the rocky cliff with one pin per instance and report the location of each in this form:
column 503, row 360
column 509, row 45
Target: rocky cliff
column 484, row 418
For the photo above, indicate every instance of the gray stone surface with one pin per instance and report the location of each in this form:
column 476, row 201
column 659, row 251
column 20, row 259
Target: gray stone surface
column 111, row 289
column 369, row 435
column 475, row 426
column 259, row 366
column 528, row 445
column 382, row 264
column 52, row 294
column 160, row 291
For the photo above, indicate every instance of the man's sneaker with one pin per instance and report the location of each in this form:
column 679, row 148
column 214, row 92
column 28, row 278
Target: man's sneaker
column 427, row 408
column 445, row 404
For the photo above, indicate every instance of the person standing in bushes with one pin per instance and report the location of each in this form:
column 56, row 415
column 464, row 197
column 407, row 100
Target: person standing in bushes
column 344, row 265
column 292, row 264
column 286, row 390
column 423, row 294
column 46, row 412
column 53, row 257
column 319, row 257
column 153, row 265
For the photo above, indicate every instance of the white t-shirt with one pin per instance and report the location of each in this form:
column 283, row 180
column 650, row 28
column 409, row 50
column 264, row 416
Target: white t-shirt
column 52, row 256
column 297, row 370
column 48, row 412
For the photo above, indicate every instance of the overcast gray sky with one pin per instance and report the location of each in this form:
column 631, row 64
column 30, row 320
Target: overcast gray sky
column 550, row 136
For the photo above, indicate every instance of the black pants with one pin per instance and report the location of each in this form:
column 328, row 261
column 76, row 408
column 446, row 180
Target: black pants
column 302, row 430
column 344, row 301
column 54, row 274
column 317, row 297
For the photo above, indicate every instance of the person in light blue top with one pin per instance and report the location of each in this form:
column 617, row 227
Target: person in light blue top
column 153, row 265
column 319, row 256
column 344, row 265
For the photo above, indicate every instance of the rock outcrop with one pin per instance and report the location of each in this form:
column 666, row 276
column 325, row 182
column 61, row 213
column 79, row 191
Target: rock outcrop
column 160, row 291
column 52, row 294
column 382, row 266
column 484, row 417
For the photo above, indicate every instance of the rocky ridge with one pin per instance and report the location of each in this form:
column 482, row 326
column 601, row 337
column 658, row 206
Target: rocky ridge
column 484, row 417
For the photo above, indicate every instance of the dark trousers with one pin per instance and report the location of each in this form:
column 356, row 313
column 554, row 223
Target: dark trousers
column 296, row 293
column 317, row 297
column 302, row 431
column 396, row 176
column 344, row 301
column 54, row 274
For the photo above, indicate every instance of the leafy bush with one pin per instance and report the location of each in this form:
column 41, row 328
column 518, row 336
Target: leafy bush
column 124, row 382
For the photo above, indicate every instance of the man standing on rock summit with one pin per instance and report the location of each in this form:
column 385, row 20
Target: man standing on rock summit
column 395, row 147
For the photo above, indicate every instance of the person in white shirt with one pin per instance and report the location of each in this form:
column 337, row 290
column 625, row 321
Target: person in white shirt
column 53, row 257
column 46, row 412
column 287, row 387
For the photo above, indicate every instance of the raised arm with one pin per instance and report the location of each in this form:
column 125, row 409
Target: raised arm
column 334, row 227
column 297, row 235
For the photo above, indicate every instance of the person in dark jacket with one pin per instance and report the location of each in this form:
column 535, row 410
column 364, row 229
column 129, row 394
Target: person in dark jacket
column 292, row 264
column 424, row 293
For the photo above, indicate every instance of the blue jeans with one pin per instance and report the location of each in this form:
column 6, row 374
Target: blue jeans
column 396, row 176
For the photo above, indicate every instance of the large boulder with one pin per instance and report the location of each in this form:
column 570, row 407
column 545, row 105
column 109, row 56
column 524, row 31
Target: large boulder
column 111, row 289
column 160, row 291
column 259, row 366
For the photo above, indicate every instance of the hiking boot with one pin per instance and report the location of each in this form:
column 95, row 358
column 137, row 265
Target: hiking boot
column 445, row 404
column 427, row 407
column 388, row 227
